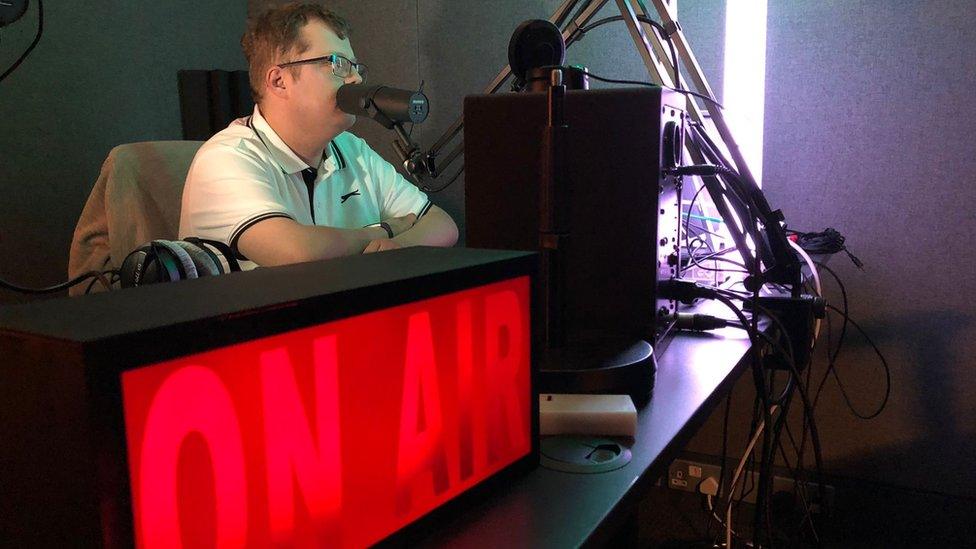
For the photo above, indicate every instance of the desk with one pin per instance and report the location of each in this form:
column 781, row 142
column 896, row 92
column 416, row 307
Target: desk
column 54, row 420
column 547, row 508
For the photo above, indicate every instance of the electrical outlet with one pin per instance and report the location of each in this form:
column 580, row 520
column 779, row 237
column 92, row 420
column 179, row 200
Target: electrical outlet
column 688, row 475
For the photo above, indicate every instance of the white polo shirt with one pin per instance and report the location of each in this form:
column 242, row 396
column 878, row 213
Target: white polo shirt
column 245, row 174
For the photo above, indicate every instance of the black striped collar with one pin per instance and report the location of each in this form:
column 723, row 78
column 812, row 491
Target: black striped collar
column 340, row 160
column 287, row 160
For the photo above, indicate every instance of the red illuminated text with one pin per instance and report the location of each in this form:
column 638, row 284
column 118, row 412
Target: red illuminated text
column 339, row 434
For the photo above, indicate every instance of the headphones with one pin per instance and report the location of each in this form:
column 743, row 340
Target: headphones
column 172, row 260
column 12, row 10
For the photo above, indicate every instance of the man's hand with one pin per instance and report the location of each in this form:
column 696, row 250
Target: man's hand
column 381, row 244
column 400, row 224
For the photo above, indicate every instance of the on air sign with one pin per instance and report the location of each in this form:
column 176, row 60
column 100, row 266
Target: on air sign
column 335, row 435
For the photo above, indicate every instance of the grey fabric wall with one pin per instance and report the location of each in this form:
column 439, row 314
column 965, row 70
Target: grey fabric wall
column 103, row 74
column 868, row 129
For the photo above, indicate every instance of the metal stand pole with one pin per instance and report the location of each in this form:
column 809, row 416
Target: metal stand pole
column 650, row 46
column 771, row 246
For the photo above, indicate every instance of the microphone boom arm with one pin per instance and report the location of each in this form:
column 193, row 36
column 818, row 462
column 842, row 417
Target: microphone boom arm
column 430, row 158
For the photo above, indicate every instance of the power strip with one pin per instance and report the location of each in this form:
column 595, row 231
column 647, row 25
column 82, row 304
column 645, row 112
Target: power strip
column 689, row 476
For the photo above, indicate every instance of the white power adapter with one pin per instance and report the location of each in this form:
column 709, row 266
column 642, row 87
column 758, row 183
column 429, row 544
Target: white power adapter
column 608, row 415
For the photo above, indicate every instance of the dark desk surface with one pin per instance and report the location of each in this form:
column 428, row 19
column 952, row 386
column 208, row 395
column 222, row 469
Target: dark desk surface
column 547, row 508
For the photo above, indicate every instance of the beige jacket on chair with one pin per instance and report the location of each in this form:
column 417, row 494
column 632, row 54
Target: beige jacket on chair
column 135, row 200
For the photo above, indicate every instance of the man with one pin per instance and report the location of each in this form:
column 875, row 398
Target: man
column 289, row 184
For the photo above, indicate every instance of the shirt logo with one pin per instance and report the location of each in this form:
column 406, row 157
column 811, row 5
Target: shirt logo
column 346, row 196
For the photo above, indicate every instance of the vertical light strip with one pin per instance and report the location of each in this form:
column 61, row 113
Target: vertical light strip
column 745, row 77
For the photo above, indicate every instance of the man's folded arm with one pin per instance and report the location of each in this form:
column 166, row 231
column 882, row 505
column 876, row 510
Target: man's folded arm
column 435, row 228
column 281, row 241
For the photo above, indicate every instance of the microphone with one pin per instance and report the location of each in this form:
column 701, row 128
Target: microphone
column 386, row 105
column 535, row 43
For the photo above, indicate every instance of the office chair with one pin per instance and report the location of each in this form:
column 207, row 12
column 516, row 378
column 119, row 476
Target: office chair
column 135, row 200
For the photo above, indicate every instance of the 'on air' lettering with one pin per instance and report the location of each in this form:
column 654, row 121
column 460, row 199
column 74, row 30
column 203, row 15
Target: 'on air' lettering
column 293, row 457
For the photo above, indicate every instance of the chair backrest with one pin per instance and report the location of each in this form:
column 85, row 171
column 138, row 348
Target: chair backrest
column 136, row 199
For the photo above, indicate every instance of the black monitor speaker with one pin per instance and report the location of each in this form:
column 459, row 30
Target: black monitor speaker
column 623, row 213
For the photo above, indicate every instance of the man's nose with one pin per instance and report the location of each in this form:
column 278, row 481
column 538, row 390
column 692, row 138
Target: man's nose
column 354, row 78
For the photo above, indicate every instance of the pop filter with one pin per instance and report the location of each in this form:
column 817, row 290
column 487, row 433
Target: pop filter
column 535, row 43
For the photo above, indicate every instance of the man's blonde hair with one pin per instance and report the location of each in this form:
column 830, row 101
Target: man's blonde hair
column 277, row 32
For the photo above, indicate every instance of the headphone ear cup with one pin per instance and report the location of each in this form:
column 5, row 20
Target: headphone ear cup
column 205, row 265
column 225, row 256
column 183, row 259
column 148, row 264
column 212, row 253
column 133, row 269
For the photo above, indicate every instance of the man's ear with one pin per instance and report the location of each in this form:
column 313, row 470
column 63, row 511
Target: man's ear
column 276, row 81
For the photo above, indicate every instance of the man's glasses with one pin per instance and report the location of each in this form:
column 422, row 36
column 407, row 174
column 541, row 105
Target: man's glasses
column 341, row 66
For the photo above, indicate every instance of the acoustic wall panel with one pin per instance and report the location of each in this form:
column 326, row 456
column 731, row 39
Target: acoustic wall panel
column 102, row 74
column 868, row 131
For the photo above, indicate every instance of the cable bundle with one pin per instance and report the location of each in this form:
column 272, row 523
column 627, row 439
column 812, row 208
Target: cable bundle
column 826, row 242
column 774, row 394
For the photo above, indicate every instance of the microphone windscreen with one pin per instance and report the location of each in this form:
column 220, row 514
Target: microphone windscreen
column 352, row 98
column 383, row 103
column 535, row 43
